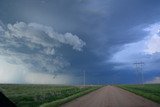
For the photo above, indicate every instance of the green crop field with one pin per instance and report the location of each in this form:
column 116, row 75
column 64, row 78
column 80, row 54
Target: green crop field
column 36, row 95
column 150, row 91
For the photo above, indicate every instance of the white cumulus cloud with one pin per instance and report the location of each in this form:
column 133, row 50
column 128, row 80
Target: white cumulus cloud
column 146, row 50
column 153, row 42
column 33, row 47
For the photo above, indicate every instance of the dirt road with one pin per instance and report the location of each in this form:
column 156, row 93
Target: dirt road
column 111, row 96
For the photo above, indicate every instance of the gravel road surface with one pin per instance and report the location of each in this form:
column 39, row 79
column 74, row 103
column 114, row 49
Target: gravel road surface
column 111, row 96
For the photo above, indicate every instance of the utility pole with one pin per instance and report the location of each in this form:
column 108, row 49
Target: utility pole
column 139, row 66
column 84, row 78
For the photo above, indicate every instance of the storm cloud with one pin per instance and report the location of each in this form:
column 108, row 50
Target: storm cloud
column 35, row 48
column 104, row 38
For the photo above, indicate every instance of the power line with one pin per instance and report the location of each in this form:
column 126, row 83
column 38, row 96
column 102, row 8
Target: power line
column 139, row 66
column 84, row 78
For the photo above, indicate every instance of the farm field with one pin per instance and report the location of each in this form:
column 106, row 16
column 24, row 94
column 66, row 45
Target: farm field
column 36, row 95
column 149, row 91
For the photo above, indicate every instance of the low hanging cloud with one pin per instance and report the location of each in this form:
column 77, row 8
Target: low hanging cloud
column 34, row 48
column 155, row 80
column 146, row 50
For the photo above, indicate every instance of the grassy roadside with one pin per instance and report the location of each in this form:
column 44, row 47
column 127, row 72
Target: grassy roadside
column 67, row 99
column 34, row 95
column 149, row 91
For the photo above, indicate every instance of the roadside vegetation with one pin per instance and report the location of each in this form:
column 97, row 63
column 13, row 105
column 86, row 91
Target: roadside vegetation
column 44, row 95
column 67, row 99
column 149, row 91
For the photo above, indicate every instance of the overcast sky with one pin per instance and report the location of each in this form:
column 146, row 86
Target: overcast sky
column 54, row 41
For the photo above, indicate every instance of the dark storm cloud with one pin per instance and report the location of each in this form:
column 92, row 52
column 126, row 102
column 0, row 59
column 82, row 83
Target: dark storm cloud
column 105, row 25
